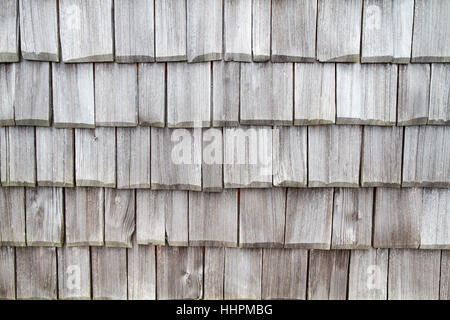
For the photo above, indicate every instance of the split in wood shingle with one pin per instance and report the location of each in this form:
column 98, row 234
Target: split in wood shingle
column 212, row 160
column 226, row 77
column 435, row 231
column 74, row 273
column 214, row 268
column 439, row 109
column 12, row 217
column 9, row 31
column 151, row 86
column 237, row 31
column 7, row 87
column 119, row 217
column 7, row 273
column 261, row 35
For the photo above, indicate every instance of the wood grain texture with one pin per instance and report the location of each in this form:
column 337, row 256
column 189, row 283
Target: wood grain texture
column 109, row 273
column 151, row 94
column 290, row 156
column 177, row 218
column 213, row 218
column 7, row 273
column 188, row 95
column 294, row 30
column 7, row 87
column 226, row 77
column 387, row 31
column 212, row 160
column 334, row 156
column 134, row 31
column 86, row 30
column 73, row 95
column 36, row 273
column 214, row 273
column 95, row 157
column 366, row 94
column 32, row 94
column 413, row 94
column 17, row 163
column 204, row 30
column 247, row 157
column 133, row 157
column 39, row 30
column 262, row 217
column 266, row 91
column 309, row 216
column 284, row 273
column 425, row 156
column 261, row 30
column 55, row 157
column 179, row 273
column 414, row 274
column 328, row 274
column 315, row 93
column 435, row 228
column 352, row 218
column 431, row 31
column 243, row 269
column 368, row 273
column 170, row 30
column 74, row 273
column 84, row 216
column 397, row 220
column 176, row 159
column 12, row 216
column 339, row 30
column 141, row 272
column 9, row 31
column 237, row 31
column 444, row 291
column 44, row 216
column 119, row 217
column 381, row 161
column 439, row 109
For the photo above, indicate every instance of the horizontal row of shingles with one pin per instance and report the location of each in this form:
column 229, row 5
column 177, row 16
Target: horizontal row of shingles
column 223, row 94
column 148, row 272
column 244, row 30
column 213, row 159
column 272, row 218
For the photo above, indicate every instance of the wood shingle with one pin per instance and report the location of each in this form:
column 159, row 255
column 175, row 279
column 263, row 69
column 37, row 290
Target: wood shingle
column 109, row 273
column 261, row 35
column 74, row 273
column 7, row 87
column 141, row 272
column 435, row 226
column 439, row 109
column 12, row 216
column 119, row 217
column 237, row 33
column 214, row 269
column 212, row 160
column 151, row 87
column 7, row 273
column 226, row 82
column 9, row 31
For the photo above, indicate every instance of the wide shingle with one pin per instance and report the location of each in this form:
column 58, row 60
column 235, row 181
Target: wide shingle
column 109, row 273
column 74, row 273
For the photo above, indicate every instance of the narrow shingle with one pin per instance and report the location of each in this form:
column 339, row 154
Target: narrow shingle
column 261, row 17
column 237, row 33
column 439, row 109
column 9, row 31
column 225, row 99
column 119, row 217
column 12, row 216
column 151, row 87
column 7, row 87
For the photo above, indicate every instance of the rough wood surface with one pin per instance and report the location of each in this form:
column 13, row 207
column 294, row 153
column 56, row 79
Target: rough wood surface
column 177, row 218
column 12, row 216
column 119, row 217
column 176, row 159
column 445, row 276
column 266, row 93
column 431, row 31
column 189, row 95
column 425, row 156
column 284, row 273
column 261, row 33
column 109, row 273
column 44, row 216
column 141, row 272
column 414, row 274
column 84, row 216
column 7, row 87
column 212, row 160
column 32, row 94
column 243, row 269
column 237, row 31
column 73, row 95
column 352, row 218
column 328, row 274
column 315, row 93
column 170, row 30
column 435, row 226
column 262, row 217
column 39, row 35
column 339, row 30
column 204, row 30
column 397, row 220
column 74, row 273
column 133, row 157
column 439, row 109
column 116, row 94
column 86, row 30
column 294, row 30
column 226, row 77
column 17, row 163
column 334, row 156
column 134, row 31
column 381, row 161
column 214, row 273
column 366, row 93
column 290, row 156
column 36, row 273
column 179, row 273
column 7, row 273
column 368, row 272
column 213, row 218
column 95, row 157
column 9, row 31
column 151, row 87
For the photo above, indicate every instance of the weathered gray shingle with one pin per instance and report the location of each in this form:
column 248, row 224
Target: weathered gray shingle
column 435, row 230
column 212, row 160
column 12, row 217
column 439, row 109
column 119, row 217
column 214, row 268
column 237, row 33
column 74, row 273
column 109, row 273
column 225, row 100
column 7, row 273
column 445, row 276
column 141, row 271
column 151, row 86
column 261, row 35
column 9, row 31
column 7, row 87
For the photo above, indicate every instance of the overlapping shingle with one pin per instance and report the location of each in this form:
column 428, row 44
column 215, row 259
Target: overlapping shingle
column 226, row 82
column 74, row 273
column 439, row 109
column 7, row 273
column 9, row 31
column 214, row 268
column 7, row 88
column 12, row 216
column 435, row 229
column 152, row 94
column 237, row 33
column 119, row 217
column 212, row 160
column 261, row 30
column 141, row 268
